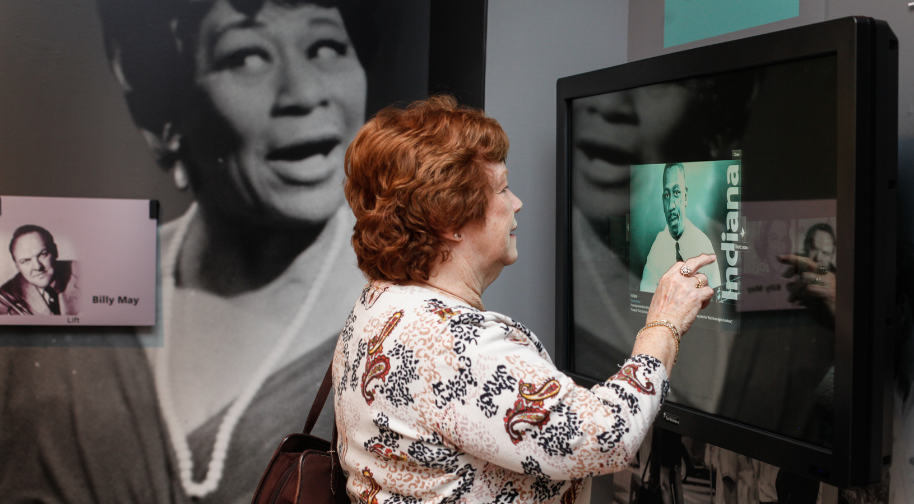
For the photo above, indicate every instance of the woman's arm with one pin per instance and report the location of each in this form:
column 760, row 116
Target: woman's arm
column 676, row 302
column 502, row 400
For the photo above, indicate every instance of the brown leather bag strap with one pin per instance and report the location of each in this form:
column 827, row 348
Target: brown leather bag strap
column 319, row 400
column 335, row 465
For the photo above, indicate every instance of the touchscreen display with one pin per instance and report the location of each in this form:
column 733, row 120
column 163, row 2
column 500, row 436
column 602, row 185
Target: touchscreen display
column 741, row 165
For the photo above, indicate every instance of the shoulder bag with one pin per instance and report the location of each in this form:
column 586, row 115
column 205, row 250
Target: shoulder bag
column 305, row 468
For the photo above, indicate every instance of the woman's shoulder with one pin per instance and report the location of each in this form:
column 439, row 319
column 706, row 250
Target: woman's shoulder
column 514, row 331
column 379, row 298
column 421, row 302
column 440, row 313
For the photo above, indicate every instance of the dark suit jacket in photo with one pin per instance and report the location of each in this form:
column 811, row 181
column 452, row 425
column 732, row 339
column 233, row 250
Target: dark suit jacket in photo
column 19, row 297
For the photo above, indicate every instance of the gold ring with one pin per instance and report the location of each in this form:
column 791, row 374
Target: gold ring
column 815, row 280
column 685, row 271
column 699, row 285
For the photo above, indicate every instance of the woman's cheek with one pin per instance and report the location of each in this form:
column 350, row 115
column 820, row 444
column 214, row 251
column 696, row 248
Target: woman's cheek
column 242, row 104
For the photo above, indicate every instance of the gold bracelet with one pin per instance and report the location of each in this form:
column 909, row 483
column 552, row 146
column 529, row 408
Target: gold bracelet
column 668, row 325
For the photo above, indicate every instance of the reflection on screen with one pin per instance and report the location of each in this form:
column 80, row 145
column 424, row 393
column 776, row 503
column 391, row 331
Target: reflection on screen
column 740, row 165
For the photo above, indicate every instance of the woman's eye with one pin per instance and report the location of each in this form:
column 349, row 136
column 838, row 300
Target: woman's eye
column 245, row 60
column 327, row 49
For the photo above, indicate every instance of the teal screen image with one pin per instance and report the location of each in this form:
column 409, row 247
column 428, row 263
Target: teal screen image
column 692, row 201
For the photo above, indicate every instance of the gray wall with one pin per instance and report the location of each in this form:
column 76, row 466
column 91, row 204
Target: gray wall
column 531, row 43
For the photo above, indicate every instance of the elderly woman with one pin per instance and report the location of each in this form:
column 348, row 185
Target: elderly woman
column 437, row 399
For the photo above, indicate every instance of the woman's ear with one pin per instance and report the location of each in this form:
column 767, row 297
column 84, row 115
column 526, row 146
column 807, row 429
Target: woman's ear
column 166, row 148
column 452, row 236
column 165, row 145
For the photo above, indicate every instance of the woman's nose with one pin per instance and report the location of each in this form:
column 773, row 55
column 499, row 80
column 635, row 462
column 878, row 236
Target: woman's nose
column 300, row 87
column 616, row 108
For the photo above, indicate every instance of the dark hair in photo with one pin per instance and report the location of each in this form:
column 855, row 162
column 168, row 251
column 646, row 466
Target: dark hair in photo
column 31, row 228
column 150, row 48
column 810, row 241
column 678, row 166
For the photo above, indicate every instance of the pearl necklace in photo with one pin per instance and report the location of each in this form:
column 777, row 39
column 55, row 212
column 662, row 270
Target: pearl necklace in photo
column 175, row 428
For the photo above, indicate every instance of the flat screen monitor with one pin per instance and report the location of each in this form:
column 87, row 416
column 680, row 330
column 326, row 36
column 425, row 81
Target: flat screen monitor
column 780, row 147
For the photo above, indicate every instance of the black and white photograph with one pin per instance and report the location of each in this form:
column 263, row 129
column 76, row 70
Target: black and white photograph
column 44, row 283
column 235, row 115
column 77, row 262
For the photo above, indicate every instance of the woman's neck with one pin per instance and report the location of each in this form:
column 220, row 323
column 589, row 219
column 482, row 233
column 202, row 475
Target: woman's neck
column 458, row 277
column 230, row 257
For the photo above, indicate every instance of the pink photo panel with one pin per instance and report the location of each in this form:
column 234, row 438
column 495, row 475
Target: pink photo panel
column 77, row 261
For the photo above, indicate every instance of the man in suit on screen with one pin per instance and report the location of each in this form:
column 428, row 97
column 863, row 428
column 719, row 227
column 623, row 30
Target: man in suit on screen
column 680, row 239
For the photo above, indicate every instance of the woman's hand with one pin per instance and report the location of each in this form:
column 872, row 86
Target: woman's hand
column 676, row 300
column 813, row 287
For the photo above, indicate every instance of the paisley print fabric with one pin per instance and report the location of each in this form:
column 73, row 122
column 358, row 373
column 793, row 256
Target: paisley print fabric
column 437, row 402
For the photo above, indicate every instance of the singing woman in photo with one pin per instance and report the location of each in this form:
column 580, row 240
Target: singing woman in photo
column 250, row 105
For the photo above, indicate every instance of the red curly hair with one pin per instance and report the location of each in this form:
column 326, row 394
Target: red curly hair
column 413, row 175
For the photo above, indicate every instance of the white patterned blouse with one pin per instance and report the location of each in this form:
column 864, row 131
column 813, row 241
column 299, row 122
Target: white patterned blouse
column 439, row 402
